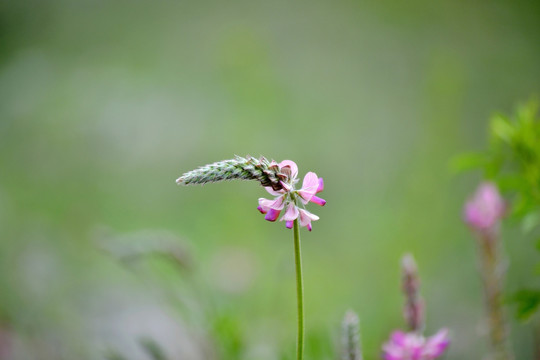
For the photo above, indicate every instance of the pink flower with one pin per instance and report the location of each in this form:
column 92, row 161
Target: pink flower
column 412, row 346
column 484, row 210
column 289, row 198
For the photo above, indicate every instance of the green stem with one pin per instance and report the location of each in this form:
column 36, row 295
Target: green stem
column 493, row 276
column 299, row 293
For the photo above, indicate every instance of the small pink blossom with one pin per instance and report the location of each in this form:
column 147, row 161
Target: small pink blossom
column 485, row 209
column 289, row 198
column 412, row 346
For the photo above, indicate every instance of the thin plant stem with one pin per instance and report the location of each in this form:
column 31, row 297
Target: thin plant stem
column 299, row 292
column 493, row 276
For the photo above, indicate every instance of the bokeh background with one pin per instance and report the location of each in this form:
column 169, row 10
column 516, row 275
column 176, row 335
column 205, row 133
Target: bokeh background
column 103, row 104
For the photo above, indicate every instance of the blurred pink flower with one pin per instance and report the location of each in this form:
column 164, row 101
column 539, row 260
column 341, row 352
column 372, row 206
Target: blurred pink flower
column 289, row 197
column 412, row 346
column 486, row 207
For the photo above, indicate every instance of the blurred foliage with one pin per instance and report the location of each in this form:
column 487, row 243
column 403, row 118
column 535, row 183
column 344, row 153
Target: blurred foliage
column 150, row 346
column 114, row 355
column 227, row 332
column 132, row 247
column 528, row 302
column 153, row 349
column 512, row 161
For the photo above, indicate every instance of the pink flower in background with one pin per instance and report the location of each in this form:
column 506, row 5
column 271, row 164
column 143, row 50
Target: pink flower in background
column 289, row 198
column 412, row 346
column 486, row 207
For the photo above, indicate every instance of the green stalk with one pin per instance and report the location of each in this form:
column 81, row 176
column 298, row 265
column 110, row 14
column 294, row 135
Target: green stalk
column 493, row 276
column 299, row 293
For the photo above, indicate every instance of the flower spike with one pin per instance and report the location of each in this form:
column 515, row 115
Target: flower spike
column 279, row 180
column 248, row 168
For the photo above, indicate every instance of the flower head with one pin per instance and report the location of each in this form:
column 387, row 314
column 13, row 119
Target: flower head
column 412, row 346
column 289, row 199
column 485, row 209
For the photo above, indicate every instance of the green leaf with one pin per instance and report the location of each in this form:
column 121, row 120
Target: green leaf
column 467, row 161
column 512, row 182
column 501, row 128
column 527, row 301
column 522, row 205
column 527, row 112
column 537, row 245
column 530, row 221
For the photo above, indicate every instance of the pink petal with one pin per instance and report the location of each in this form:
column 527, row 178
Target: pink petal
column 286, row 187
column 273, row 192
column 306, row 218
column 272, row 215
column 264, row 205
column 440, row 336
column 473, row 216
column 288, row 167
column 394, row 356
column 417, row 353
column 392, row 351
column 415, row 342
column 484, row 210
column 309, row 187
column 317, row 200
column 291, row 213
column 399, row 338
column 436, row 344
column 278, row 203
column 321, row 185
column 289, row 224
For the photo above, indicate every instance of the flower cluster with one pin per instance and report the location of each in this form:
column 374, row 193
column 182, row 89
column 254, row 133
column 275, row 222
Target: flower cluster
column 288, row 198
column 412, row 346
column 485, row 209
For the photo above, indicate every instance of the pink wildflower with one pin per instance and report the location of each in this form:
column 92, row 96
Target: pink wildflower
column 412, row 346
column 288, row 197
column 484, row 210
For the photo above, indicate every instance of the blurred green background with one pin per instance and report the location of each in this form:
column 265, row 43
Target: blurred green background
column 103, row 104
